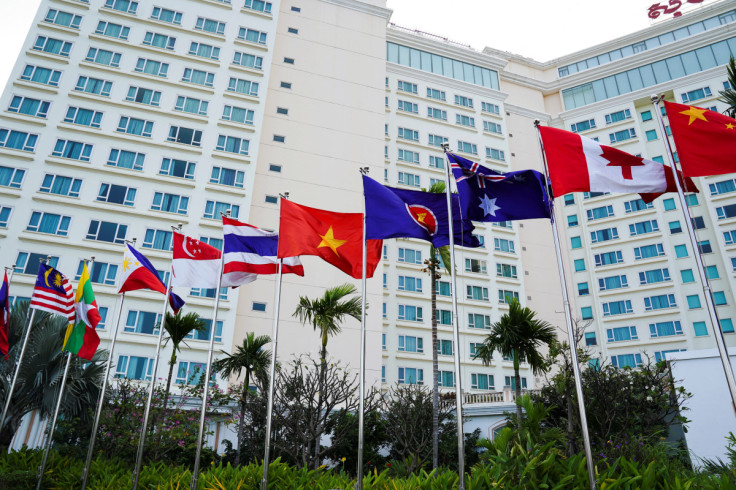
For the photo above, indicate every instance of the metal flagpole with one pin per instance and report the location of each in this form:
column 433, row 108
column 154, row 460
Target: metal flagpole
column 570, row 331
column 26, row 335
column 271, row 381
column 361, row 415
column 206, row 389
column 717, row 332
column 93, row 437
column 456, row 334
column 50, row 434
column 142, row 439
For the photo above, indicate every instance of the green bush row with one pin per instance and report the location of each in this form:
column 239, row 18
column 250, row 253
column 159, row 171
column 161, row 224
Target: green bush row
column 540, row 467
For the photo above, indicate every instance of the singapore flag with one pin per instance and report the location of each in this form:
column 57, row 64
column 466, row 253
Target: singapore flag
column 196, row 264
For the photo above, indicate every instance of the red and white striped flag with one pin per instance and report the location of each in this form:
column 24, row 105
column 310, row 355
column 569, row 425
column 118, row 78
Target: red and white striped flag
column 53, row 293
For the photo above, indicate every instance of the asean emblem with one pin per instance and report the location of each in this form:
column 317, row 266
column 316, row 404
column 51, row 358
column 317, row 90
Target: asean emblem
column 424, row 217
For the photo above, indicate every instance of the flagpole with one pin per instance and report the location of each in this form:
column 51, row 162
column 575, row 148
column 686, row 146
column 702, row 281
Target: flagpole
column 361, row 415
column 715, row 322
column 570, row 330
column 93, row 437
column 50, row 434
column 271, row 382
column 142, row 439
column 456, row 334
column 26, row 335
column 206, row 389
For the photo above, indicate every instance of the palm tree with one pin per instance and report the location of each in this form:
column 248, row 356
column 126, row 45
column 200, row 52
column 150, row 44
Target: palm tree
column 325, row 314
column 40, row 374
column 519, row 335
column 433, row 265
column 728, row 96
column 178, row 327
column 251, row 357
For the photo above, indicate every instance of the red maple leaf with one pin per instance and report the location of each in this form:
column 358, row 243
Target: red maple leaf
column 618, row 158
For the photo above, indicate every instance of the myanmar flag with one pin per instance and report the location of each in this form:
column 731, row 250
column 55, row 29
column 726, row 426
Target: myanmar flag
column 81, row 338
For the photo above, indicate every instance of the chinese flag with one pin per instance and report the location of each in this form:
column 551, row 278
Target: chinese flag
column 705, row 140
column 335, row 237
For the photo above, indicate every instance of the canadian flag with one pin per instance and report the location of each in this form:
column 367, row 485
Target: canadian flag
column 195, row 264
column 580, row 164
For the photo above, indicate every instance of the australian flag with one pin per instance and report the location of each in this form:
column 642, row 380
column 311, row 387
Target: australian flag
column 402, row 213
column 487, row 195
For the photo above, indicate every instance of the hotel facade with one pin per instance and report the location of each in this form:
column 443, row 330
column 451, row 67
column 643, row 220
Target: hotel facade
column 122, row 119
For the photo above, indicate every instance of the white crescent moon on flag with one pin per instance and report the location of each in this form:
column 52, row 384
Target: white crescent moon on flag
column 184, row 247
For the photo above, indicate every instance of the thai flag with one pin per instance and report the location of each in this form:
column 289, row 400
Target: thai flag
column 250, row 251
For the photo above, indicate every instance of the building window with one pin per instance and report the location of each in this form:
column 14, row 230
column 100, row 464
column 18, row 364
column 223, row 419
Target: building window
column 18, row 140
column 506, row 270
column 444, row 317
column 505, row 297
column 412, row 284
column 696, row 94
column 608, row 258
column 700, row 329
column 214, row 209
column 116, row 194
column 210, row 25
column 11, row 177
column 435, row 140
column 62, row 186
column 435, row 113
column 433, row 93
column 127, row 159
column 660, row 302
column 621, row 334
column 617, row 308
column 101, row 273
column 411, row 344
column 259, row 6
column 166, row 15
column 158, row 239
column 170, row 203
column 249, row 60
column 481, row 381
column 479, row 321
column 463, row 101
column 133, row 367
column 204, row 51
column 252, row 35
column 586, row 313
column 152, row 67
column 198, row 77
column 411, row 376
column 651, row 135
column 626, row 360
column 681, row 251
column 467, row 121
column 510, row 382
column 286, row 85
column 711, row 272
column 93, row 86
column 704, row 247
column 407, row 87
column 582, row 126
column 38, row 74
column 675, row 227
column 477, row 293
column 272, row 199
column 406, row 106
column 618, row 116
column 28, row 263
column 495, row 154
column 490, row 108
column 410, row 313
column 648, row 251
column 503, row 245
column 604, row 235
column 185, row 136
column 191, row 105
column 719, row 298
column 159, row 40
column 138, row 127
column 726, row 325
column 143, row 96
column 636, row 205
column 665, row 329
column 446, row 379
column 476, row 265
column 53, row 224
column 61, row 18
column 654, row 276
column 279, row 139
column 52, row 46
column 687, row 276
column 83, row 117
column 579, row 265
column 693, row 302
column 29, row 106
column 127, row 6
column 583, row 289
column 466, row 147
column 410, row 256
column 406, row 178
column 492, row 127
column 408, row 134
column 240, row 86
column 226, row 176
column 105, row 231
column 590, row 338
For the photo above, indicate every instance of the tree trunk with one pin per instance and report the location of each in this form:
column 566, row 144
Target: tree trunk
column 517, row 381
column 241, row 422
column 323, row 369
column 172, row 362
column 435, row 367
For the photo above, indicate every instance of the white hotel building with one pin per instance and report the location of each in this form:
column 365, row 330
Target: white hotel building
column 122, row 119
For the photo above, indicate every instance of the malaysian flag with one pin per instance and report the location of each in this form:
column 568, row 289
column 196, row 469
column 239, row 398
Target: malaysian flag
column 53, row 293
column 250, row 251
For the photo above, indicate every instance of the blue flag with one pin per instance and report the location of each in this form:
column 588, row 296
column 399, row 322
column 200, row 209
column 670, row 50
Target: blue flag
column 401, row 213
column 487, row 195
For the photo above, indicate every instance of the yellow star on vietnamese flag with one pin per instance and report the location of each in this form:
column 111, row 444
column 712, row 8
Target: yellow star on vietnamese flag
column 694, row 114
column 329, row 240
column 730, row 126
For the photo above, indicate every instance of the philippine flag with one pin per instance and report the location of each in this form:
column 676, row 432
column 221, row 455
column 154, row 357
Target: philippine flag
column 139, row 273
column 250, row 251
column 195, row 264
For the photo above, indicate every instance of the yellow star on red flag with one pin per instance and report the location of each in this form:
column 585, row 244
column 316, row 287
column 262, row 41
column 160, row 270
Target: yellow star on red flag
column 329, row 240
column 694, row 113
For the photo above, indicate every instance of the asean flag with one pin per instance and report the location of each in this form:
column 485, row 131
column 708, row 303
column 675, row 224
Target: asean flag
column 195, row 264
column 580, row 164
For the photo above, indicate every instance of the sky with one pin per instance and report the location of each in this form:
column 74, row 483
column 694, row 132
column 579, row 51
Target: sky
column 539, row 29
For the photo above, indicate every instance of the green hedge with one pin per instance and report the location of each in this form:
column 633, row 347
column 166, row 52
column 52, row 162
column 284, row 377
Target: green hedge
column 523, row 471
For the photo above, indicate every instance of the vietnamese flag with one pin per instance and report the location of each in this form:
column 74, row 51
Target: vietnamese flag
column 335, row 237
column 81, row 338
column 705, row 140
column 580, row 164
